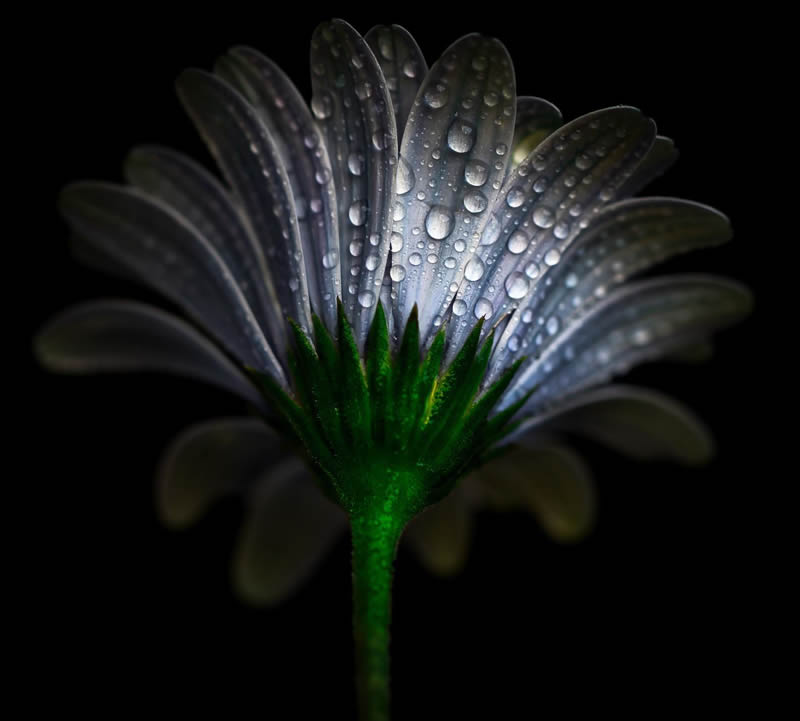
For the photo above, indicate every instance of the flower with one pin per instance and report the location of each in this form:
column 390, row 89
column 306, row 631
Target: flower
column 512, row 235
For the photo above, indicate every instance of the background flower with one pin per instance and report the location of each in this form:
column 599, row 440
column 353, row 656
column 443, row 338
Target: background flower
column 642, row 506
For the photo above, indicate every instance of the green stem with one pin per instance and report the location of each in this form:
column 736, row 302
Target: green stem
column 375, row 539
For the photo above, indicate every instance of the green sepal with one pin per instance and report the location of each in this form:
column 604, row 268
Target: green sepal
column 353, row 395
column 379, row 372
column 402, row 408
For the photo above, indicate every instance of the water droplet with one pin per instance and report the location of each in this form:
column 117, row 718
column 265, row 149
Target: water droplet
column 584, row 161
column 450, row 262
column 475, row 201
column 439, row 222
column 543, row 217
column 358, row 213
column 294, row 284
column 641, row 336
column 540, row 185
column 561, row 230
column 518, row 242
column 316, row 205
column 483, row 308
column 415, row 259
column 356, row 246
column 330, row 259
column 432, row 258
column 410, row 69
column 372, row 261
column 396, row 242
column 516, row 285
column 366, row 298
column 323, row 175
column 380, row 140
column 476, row 172
column 436, row 96
column 491, row 232
column 491, row 98
column 571, row 280
column 515, row 197
column 480, row 63
column 552, row 325
column 552, row 257
column 513, row 343
column 532, row 270
column 459, row 246
column 405, row 177
column 322, row 106
column 474, row 269
column 374, row 239
column 399, row 211
column 311, row 141
column 459, row 307
column 460, row 136
column 397, row 273
column 501, row 149
column 355, row 163
column 364, row 90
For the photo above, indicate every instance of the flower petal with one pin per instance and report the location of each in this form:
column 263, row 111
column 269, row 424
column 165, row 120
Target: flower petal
column 118, row 336
column 624, row 239
column 544, row 203
column 195, row 194
column 536, row 120
column 453, row 158
column 636, row 421
column 550, row 481
column 403, row 67
column 440, row 535
column 354, row 113
column 289, row 123
column 211, row 460
column 661, row 156
column 249, row 160
column 168, row 253
column 288, row 529
column 636, row 323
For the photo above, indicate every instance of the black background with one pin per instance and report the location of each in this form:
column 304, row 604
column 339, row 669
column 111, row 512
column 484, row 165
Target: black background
column 652, row 604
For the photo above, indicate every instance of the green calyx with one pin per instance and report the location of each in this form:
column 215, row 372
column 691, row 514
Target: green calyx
column 393, row 433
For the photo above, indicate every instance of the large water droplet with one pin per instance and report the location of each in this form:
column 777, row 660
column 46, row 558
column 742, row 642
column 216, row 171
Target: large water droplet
column 355, row 163
column 474, row 269
column 439, row 222
column 322, row 106
column 415, row 259
column 358, row 213
column 410, row 69
column 459, row 307
column 366, row 298
column 491, row 232
column 396, row 242
column 436, row 96
column 460, row 136
column 399, row 211
column 476, row 172
column 475, row 201
column 405, row 177
column 397, row 273
column 450, row 262
column 561, row 230
column 459, row 246
column 483, row 308
column 518, row 242
column 543, row 217
column 330, row 259
column 552, row 257
column 364, row 91
column 356, row 246
column 515, row 197
column 516, row 285
column 372, row 261
column 532, row 270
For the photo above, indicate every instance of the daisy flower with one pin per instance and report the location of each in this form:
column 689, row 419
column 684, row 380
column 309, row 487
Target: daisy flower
column 418, row 281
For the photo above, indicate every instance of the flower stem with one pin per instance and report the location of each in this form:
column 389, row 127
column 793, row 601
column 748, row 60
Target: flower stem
column 375, row 539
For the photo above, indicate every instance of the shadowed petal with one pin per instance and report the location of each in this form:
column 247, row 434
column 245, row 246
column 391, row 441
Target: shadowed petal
column 453, row 158
column 109, row 336
column 289, row 123
column 169, row 254
column 251, row 163
column 661, row 156
column 554, row 193
column 288, row 529
column 550, row 481
column 195, row 194
column 440, row 535
column 354, row 114
column 639, row 422
column 210, row 460
column 537, row 119
column 624, row 239
column 636, row 323
column 403, row 67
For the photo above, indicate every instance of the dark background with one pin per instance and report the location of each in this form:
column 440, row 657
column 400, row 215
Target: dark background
column 653, row 603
